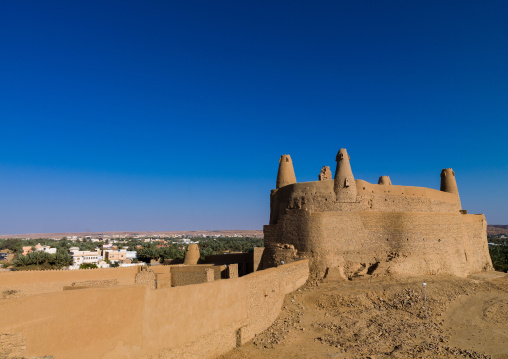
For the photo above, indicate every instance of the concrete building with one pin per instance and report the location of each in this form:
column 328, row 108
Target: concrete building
column 46, row 249
column 131, row 255
column 38, row 247
column 80, row 257
column 26, row 250
column 116, row 255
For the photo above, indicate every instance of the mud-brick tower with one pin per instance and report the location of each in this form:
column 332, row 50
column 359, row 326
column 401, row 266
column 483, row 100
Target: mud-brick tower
column 286, row 174
column 349, row 227
column 344, row 182
column 384, row 180
column 191, row 255
column 448, row 182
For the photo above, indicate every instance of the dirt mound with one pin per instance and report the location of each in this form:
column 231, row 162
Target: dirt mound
column 386, row 318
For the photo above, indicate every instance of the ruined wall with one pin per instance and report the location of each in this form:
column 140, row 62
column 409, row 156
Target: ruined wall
column 258, row 258
column 146, row 277
column 94, row 284
column 247, row 262
column 194, row 321
column 185, row 275
column 38, row 282
column 232, row 271
column 244, row 260
column 162, row 276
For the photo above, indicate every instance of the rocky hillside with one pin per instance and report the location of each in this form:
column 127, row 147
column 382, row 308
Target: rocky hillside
column 385, row 318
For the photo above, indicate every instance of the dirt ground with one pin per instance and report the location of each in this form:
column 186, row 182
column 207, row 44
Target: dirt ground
column 385, row 318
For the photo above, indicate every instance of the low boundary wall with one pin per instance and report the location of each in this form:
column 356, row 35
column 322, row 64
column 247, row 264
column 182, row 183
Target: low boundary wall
column 193, row 321
column 48, row 281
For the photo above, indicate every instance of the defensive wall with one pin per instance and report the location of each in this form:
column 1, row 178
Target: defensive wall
column 48, row 281
column 192, row 321
column 25, row 283
column 351, row 227
column 185, row 275
column 247, row 262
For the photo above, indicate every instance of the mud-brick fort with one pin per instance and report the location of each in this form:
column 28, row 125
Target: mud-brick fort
column 201, row 309
column 349, row 227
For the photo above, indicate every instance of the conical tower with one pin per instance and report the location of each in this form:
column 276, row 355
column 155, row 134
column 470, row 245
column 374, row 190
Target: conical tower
column 448, row 182
column 286, row 174
column 344, row 181
column 191, row 255
column 384, row 180
column 325, row 174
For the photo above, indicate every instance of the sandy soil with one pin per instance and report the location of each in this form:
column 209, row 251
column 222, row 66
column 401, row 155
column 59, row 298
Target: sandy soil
column 385, row 318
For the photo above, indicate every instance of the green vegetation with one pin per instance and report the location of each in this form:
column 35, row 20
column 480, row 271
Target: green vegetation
column 88, row 266
column 207, row 246
column 499, row 253
column 43, row 260
column 164, row 248
column 16, row 245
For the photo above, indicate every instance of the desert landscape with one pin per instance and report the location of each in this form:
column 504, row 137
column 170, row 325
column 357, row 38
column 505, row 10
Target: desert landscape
column 127, row 234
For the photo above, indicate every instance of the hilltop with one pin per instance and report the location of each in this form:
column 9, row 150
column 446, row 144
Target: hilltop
column 384, row 317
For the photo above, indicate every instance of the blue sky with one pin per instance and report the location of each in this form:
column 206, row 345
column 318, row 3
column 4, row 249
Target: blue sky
column 160, row 115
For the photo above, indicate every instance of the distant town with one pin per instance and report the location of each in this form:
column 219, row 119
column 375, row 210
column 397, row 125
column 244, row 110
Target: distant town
column 138, row 234
column 113, row 249
column 86, row 250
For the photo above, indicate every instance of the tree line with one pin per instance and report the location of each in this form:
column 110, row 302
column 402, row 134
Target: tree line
column 499, row 253
column 43, row 260
column 207, row 246
column 168, row 249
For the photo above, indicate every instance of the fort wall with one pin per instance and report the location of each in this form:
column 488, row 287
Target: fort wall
column 185, row 275
column 354, row 227
column 320, row 196
column 193, row 321
column 244, row 261
column 386, row 242
column 38, row 282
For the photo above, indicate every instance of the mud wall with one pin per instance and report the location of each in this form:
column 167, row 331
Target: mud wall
column 381, row 242
column 194, row 321
column 320, row 197
column 385, row 229
column 185, row 275
column 38, row 282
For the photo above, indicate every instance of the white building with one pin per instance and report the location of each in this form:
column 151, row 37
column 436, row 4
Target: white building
column 80, row 257
column 46, row 249
column 49, row 250
column 131, row 254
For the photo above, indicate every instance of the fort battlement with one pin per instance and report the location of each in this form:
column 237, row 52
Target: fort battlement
column 351, row 227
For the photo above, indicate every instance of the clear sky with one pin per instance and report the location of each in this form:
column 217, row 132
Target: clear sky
column 172, row 115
